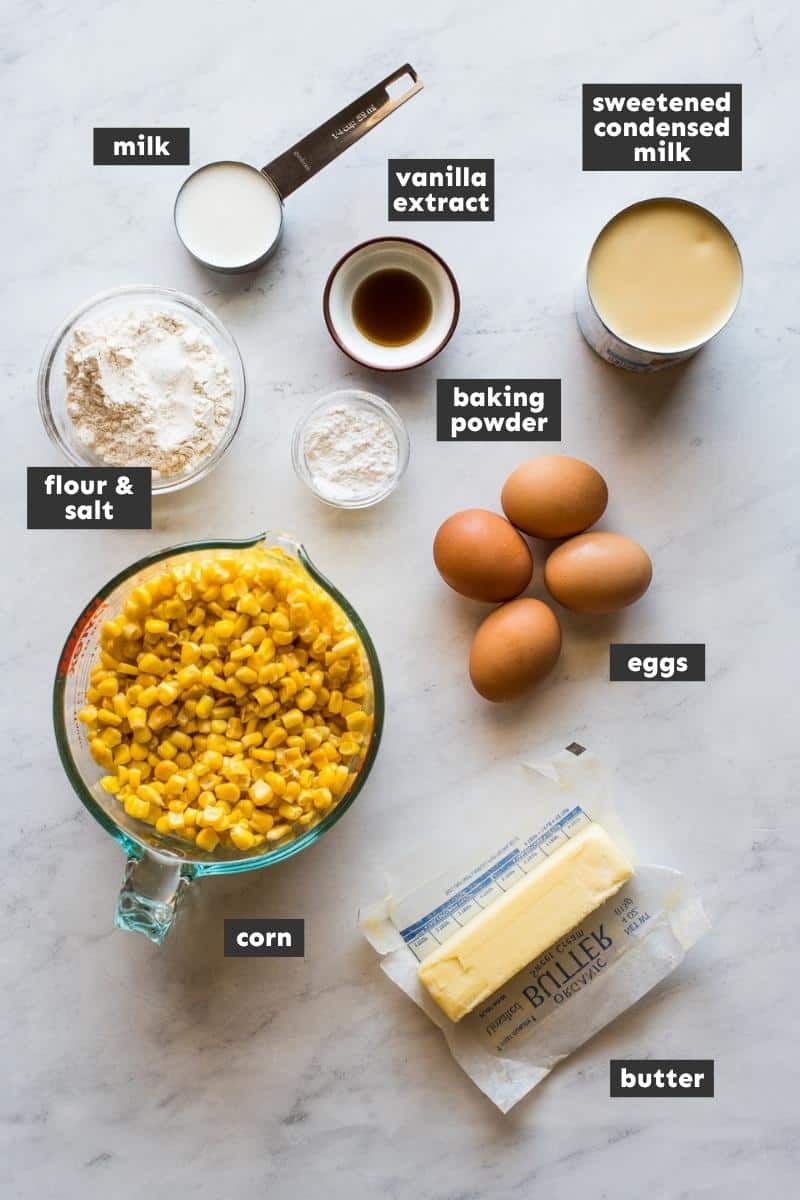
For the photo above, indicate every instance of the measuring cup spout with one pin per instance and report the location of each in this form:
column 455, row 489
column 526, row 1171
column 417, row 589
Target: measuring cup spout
column 152, row 887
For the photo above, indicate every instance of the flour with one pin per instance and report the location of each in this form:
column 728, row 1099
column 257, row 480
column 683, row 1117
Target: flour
column 148, row 388
column 351, row 453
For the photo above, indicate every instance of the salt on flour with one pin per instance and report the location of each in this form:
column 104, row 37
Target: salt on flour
column 148, row 388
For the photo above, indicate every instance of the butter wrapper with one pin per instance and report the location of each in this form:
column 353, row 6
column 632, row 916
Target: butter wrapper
column 511, row 1041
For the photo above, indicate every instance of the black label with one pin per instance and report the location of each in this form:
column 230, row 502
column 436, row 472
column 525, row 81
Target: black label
column 89, row 497
column 653, row 127
column 671, row 662
column 498, row 410
column 259, row 937
column 441, row 189
column 136, row 146
column 662, row 1077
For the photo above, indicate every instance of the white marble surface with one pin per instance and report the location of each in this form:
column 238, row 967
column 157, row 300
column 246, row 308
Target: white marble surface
column 130, row 1070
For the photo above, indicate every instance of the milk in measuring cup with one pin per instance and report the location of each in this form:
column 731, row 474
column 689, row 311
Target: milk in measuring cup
column 228, row 214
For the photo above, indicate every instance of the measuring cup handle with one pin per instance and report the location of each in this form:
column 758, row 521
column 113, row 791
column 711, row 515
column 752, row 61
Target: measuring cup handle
column 151, row 890
column 330, row 139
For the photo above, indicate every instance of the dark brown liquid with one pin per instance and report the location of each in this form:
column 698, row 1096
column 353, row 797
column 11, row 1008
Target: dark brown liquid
column 392, row 307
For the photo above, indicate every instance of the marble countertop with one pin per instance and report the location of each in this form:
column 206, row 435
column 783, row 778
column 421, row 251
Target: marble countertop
column 131, row 1070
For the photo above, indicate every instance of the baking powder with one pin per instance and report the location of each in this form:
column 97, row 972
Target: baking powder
column 350, row 452
column 148, row 388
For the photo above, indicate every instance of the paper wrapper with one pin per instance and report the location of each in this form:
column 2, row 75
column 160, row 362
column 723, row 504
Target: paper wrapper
column 511, row 1041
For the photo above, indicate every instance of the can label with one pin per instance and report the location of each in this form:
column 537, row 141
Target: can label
column 613, row 349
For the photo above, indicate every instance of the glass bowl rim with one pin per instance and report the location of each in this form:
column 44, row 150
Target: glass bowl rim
column 194, row 868
column 368, row 400
column 182, row 300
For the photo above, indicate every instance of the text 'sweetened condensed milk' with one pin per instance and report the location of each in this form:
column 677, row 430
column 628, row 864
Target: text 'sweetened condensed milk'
column 664, row 276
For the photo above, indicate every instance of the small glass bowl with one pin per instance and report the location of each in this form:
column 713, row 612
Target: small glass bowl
column 353, row 398
column 52, row 387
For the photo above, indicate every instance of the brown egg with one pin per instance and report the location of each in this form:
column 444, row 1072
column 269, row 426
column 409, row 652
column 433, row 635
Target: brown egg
column 514, row 648
column 481, row 556
column 554, row 496
column 598, row 572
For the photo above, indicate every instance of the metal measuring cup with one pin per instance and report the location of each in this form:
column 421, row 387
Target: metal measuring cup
column 284, row 174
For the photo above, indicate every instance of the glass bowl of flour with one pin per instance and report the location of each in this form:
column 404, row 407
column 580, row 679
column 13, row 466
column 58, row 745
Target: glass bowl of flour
column 143, row 377
column 351, row 449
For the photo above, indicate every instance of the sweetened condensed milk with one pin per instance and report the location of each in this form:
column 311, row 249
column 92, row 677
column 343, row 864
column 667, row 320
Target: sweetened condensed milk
column 664, row 276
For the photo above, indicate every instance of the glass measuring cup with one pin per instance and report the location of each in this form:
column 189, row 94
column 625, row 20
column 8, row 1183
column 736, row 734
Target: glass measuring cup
column 229, row 215
column 159, row 867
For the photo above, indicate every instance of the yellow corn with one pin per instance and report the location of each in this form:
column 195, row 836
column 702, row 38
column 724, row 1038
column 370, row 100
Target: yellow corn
column 278, row 832
column 262, row 822
column 261, row 792
column 151, row 664
column 104, row 717
column 228, row 792
column 137, row 717
column 276, row 782
column 188, row 677
column 323, row 798
column 148, row 792
column 190, row 653
column 168, row 693
column 136, row 807
column 264, row 756
column 254, row 636
column 101, row 753
column 207, row 839
column 225, row 688
column 241, row 837
column 344, row 649
column 293, row 719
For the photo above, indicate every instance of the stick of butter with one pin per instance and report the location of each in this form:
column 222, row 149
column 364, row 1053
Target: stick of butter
column 535, row 913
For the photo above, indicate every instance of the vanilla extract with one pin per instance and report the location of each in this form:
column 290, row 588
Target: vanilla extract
column 444, row 190
column 392, row 307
